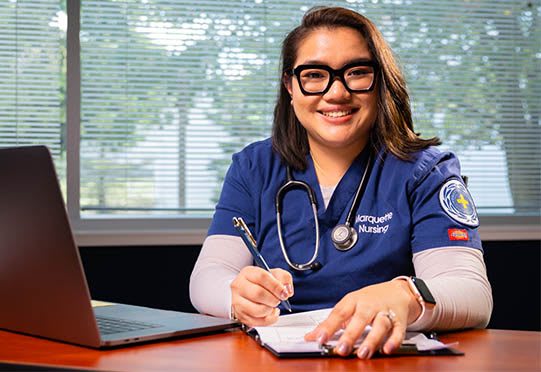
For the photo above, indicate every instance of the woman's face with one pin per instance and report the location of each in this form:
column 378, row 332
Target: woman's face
column 337, row 119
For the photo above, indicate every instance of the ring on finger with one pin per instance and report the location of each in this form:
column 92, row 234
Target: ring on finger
column 391, row 315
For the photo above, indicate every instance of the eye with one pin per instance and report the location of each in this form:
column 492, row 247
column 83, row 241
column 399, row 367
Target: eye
column 314, row 74
column 359, row 71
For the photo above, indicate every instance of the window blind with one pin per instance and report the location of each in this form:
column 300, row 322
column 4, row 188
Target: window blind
column 170, row 89
column 32, row 80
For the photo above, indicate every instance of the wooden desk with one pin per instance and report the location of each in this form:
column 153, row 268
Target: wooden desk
column 486, row 350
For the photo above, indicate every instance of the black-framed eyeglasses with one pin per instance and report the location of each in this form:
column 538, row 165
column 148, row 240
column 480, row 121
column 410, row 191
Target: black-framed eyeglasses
column 357, row 77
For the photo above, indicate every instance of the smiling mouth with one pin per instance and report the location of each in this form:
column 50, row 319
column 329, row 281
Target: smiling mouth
column 337, row 114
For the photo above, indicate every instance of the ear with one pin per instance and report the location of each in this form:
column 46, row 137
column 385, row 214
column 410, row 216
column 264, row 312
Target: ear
column 287, row 80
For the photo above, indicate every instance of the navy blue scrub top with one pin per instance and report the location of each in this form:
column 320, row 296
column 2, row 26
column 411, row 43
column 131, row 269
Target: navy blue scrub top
column 407, row 207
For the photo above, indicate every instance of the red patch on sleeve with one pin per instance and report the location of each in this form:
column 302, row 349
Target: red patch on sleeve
column 457, row 234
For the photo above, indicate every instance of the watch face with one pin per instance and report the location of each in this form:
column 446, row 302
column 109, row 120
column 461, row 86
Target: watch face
column 423, row 290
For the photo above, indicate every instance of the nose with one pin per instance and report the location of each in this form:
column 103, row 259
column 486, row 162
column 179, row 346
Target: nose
column 337, row 90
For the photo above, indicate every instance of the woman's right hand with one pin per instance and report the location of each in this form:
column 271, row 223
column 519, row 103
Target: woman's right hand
column 256, row 293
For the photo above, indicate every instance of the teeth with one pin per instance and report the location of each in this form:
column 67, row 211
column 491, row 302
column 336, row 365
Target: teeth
column 336, row 114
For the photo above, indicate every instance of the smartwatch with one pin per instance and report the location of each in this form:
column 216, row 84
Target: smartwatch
column 421, row 292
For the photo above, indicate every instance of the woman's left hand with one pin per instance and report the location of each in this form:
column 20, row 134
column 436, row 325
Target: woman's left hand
column 388, row 307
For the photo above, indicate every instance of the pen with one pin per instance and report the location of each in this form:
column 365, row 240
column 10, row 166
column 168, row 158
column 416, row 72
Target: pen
column 251, row 243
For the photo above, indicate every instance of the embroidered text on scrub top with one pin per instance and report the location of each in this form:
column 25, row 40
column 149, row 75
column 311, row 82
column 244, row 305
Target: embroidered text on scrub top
column 374, row 224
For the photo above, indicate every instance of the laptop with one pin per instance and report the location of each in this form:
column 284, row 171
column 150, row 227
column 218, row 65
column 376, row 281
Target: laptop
column 43, row 289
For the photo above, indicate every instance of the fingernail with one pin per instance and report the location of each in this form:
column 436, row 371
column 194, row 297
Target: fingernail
column 284, row 295
column 322, row 337
column 363, row 353
column 388, row 347
column 289, row 289
column 343, row 348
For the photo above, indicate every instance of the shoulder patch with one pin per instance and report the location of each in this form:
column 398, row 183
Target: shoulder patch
column 457, row 202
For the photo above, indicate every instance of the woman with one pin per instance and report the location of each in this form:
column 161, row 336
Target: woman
column 343, row 126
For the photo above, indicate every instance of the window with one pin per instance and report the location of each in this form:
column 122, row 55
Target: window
column 170, row 89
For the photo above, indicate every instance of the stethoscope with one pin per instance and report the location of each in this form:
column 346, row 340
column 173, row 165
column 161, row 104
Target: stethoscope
column 343, row 235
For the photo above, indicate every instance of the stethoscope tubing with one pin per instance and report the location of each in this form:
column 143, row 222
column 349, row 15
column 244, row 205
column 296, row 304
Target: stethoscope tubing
column 309, row 264
column 294, row 184
column 358, row 193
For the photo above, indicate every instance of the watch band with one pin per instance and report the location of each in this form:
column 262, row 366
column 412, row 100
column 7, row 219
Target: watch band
column 420, row 291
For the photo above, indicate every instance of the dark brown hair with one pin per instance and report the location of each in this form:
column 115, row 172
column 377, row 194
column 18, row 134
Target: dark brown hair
column 393, row 128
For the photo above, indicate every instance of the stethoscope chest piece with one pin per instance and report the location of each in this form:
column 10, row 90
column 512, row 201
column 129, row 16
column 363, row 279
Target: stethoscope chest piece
column 343, row 237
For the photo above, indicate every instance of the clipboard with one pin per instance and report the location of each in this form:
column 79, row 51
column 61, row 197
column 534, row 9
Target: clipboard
column 327, row 351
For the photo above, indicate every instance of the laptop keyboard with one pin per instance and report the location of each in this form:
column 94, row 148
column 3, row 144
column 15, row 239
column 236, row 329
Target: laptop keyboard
column 108, row 326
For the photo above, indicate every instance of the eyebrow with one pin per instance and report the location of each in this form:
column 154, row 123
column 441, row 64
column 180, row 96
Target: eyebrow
column 318, row 62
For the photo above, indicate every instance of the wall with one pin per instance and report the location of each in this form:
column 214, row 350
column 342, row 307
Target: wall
column 159, row 276
column 514, row 272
